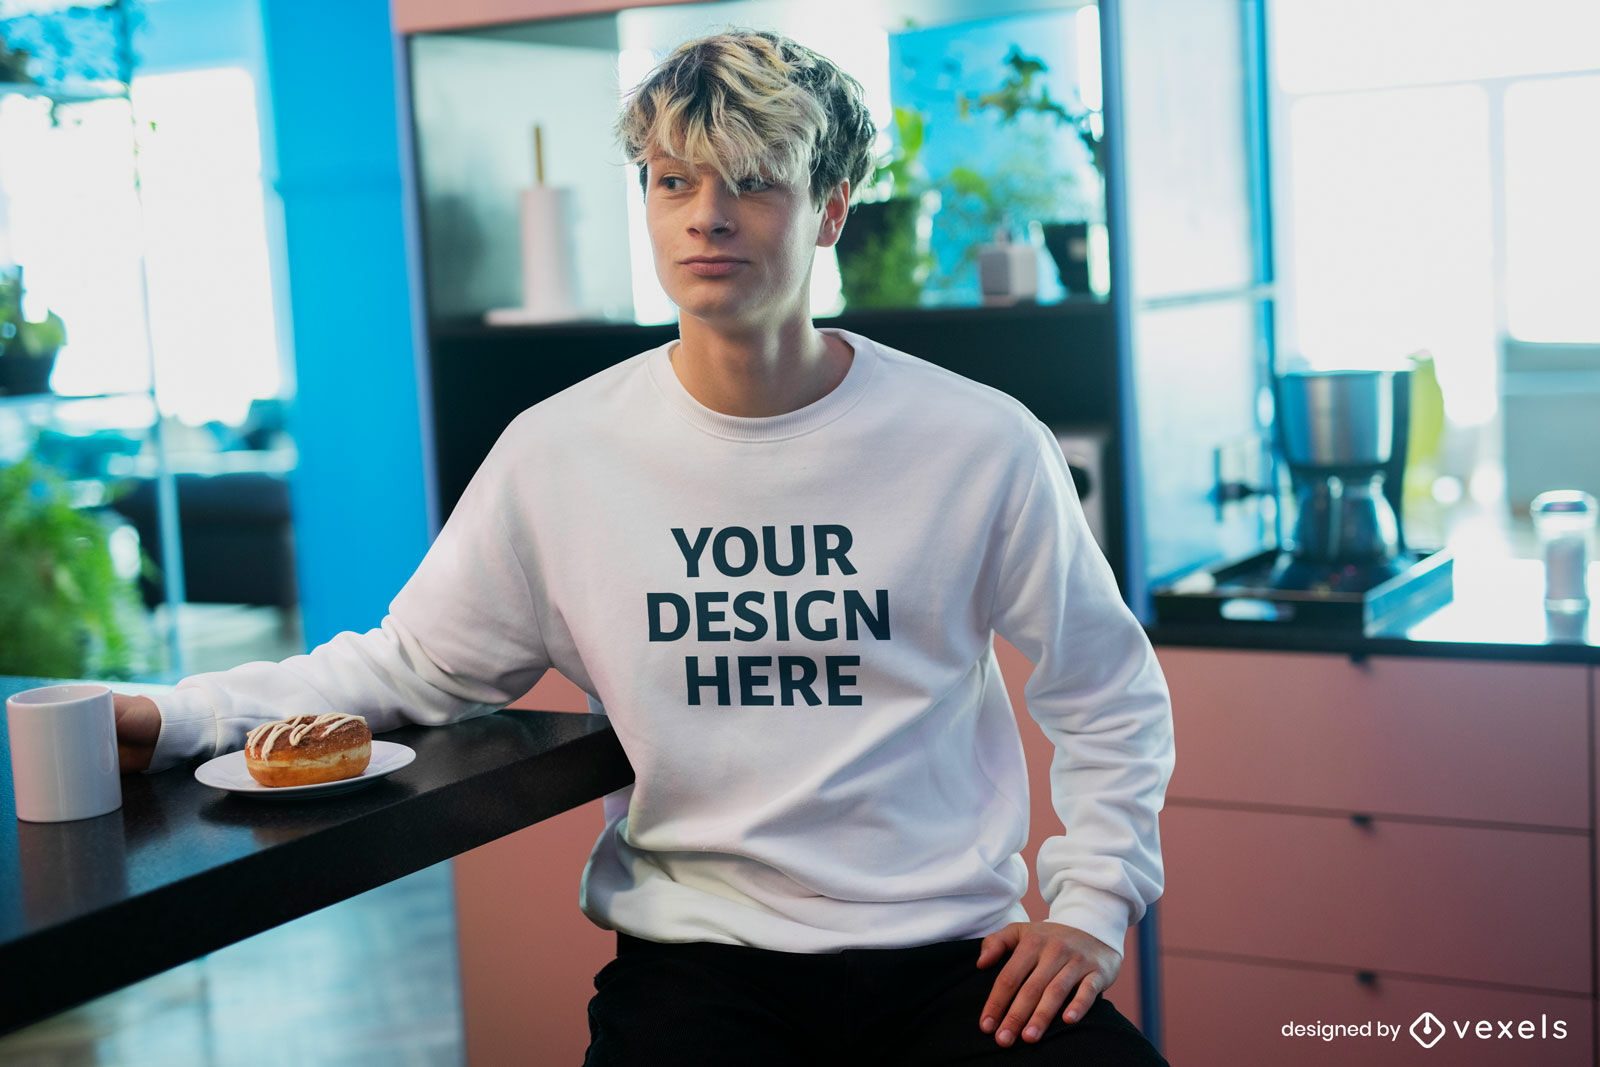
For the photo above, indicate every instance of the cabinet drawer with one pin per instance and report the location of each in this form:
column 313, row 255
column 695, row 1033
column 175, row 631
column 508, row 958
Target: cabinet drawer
column 1509, row 907
column 1463, row 739
column 1224, row 1013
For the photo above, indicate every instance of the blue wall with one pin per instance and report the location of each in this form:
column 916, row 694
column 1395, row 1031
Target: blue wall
column 360, row 495
column 332, row 152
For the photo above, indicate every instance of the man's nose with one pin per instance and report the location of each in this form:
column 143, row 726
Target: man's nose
column 712, row 214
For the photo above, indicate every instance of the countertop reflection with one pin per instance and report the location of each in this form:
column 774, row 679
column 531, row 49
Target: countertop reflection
column 182, row 869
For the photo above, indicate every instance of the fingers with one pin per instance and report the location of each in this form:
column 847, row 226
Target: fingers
column 138, row 727
column 1091, row 986
column 1050, row 966
column 132, row 759
column 1046, row 987
column 1055, row 993
column 1008, row 985
column 997, row 944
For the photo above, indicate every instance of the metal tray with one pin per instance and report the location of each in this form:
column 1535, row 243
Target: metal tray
column 1238, row 594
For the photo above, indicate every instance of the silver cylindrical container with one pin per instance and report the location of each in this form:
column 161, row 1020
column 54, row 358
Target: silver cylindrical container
column 1565, row 522
column 1337, row 419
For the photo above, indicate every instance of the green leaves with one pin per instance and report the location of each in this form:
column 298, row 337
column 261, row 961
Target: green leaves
column 1024, row 66
column 881, row 261
column 42, row 338
column 37, row 339
column 898, row 172
column 964, row 181
column 1016, row 92
column 1018, row 96
column 64, row 610
column 910, row 126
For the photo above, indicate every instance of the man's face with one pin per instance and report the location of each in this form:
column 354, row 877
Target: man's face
column 740, row 261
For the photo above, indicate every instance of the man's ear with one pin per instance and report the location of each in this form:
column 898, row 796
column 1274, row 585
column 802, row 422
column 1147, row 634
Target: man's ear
column 834, row 210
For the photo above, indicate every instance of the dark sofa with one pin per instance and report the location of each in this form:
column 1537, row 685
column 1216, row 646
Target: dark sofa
column 236, row 536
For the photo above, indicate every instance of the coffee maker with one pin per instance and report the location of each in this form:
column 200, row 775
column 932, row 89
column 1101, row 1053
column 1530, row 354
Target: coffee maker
column 1342, row 435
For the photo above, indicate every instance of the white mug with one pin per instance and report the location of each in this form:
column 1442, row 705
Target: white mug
column 64, row 752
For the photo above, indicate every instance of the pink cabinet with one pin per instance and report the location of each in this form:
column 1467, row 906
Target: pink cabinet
column 1234, row 1014
column 1351, row 841
column 528, row 955
column 1392, row 896
column 1450, row 739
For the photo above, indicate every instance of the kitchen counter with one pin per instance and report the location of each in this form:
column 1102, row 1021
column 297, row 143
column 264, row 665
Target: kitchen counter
column 182, row 869
column 1497, row 612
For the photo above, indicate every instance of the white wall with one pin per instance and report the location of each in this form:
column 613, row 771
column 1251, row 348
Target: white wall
column 477, row 102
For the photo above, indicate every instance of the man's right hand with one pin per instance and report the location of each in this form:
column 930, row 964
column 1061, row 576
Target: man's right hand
column 138, row 726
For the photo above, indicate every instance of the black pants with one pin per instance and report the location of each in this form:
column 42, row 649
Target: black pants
column 711, row 1005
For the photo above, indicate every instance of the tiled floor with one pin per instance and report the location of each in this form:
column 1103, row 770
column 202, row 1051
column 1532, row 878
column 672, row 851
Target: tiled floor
column 370, row 981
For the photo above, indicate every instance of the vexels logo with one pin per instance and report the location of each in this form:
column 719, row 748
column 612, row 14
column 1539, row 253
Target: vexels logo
column 1427, row 1029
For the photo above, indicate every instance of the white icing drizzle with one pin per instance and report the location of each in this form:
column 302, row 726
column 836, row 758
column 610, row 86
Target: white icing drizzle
column 263, row 737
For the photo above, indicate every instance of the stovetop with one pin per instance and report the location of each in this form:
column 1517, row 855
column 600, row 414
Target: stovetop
column 1241, row 593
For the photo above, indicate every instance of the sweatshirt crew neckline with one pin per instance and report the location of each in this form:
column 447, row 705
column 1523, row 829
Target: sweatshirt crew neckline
column 790, row 424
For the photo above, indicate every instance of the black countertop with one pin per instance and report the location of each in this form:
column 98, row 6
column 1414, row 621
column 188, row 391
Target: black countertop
column 182, row 869
column 1497, row 612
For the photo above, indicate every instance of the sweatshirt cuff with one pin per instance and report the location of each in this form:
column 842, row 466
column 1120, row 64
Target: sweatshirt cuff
column 1103, row 916
column 188, row 728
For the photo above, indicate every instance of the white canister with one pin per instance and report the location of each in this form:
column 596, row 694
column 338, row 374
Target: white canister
column 548, row 289
column 1565, row 520
column 64, row 752
column 1008, row 271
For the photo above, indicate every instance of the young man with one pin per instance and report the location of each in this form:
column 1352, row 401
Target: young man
column 776, row 557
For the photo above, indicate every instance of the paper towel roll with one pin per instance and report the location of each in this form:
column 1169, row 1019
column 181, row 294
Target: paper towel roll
column 548, row 291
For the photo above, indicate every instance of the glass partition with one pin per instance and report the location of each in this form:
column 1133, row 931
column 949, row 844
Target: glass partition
column 989, row 125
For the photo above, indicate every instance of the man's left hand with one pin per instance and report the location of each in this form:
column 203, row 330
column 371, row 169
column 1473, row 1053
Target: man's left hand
column 1047, row 961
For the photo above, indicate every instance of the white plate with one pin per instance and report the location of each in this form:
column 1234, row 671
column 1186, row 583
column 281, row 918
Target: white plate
column 229, row 772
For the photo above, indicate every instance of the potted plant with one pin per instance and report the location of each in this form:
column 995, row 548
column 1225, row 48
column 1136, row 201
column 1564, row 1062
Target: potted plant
column 994, row 213
column 883, row 255
column 65, row 612
column 27, row 348
column 1041, row 196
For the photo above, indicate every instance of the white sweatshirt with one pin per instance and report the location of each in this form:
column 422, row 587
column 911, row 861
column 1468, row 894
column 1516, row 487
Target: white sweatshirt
column 789, row 622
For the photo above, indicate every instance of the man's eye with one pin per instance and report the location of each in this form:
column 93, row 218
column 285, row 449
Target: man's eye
column 671, row 182
column 753, row 185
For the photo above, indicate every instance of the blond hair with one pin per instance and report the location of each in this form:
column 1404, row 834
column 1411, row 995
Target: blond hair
column 751, row 104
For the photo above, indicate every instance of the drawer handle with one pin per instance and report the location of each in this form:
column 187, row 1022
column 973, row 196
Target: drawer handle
column 1361, row 819
column 1366, row 978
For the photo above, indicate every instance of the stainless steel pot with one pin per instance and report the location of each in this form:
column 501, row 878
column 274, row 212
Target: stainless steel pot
column 1337, row 419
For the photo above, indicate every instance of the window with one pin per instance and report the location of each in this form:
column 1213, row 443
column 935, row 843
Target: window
column 73, row 220
column 1434, row 167
column 1392, row 247
column 1552, row 211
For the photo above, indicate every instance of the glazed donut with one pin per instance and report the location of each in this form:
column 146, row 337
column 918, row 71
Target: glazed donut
column 308, row 749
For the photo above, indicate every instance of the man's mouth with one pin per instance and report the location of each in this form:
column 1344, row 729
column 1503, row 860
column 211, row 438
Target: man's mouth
column 712, row 266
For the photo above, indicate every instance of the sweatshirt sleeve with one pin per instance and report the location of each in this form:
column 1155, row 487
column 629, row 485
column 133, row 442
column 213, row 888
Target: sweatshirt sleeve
column 461, row 639
column 1099, row 695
